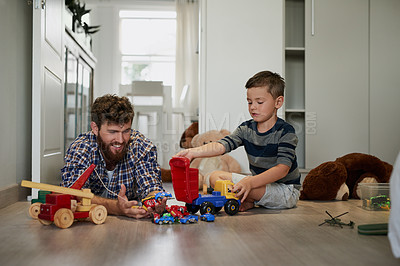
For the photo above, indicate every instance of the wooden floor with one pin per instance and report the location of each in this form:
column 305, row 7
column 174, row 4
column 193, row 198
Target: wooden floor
column 257, row 237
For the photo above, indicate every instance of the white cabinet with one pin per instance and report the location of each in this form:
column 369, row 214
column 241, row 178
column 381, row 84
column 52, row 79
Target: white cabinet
column 238, row 39
column 294, row 73
column 342, row 78
column 336, row 79
column 384, row 79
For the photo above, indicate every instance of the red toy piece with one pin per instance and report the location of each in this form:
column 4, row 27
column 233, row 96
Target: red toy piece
column 82, row 179
column 177, row 211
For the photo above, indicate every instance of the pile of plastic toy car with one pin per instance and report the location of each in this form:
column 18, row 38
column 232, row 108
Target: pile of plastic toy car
column 173, row 213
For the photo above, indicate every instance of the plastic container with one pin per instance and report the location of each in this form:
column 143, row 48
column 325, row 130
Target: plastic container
column 375, row 196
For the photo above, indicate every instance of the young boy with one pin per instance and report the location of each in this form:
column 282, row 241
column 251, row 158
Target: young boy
column 270, row 144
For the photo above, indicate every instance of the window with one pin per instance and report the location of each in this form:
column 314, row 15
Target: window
column 147, row 45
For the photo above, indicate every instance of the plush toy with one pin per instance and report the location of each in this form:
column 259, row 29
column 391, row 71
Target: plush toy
column 188, row 134
column 339, row 179
column 185, row 143
column 207, row 165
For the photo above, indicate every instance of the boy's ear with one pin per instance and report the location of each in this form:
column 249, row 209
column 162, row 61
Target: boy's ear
column 95, row 128
column 279, row 102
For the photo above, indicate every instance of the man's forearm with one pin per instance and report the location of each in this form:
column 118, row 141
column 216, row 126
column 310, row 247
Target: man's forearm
column 110, row 204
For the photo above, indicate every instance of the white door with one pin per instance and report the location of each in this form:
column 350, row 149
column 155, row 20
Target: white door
column 47, row 92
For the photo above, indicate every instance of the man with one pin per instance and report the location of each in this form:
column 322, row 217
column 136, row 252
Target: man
column 126, row 161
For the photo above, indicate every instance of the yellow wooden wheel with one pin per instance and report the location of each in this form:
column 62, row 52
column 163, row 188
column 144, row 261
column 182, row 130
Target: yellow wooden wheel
column 98, row 214
column 45, row 222
column 63, row 218
column 34, row 210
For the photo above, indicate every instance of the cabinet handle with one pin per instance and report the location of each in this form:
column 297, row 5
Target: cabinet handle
column 312, row 17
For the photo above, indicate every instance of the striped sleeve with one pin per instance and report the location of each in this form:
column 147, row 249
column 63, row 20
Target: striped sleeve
column 287, row 146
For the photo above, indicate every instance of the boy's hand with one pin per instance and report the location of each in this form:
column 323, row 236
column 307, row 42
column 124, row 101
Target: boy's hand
column 130, row 208
column 185, row 153
column 242, row 188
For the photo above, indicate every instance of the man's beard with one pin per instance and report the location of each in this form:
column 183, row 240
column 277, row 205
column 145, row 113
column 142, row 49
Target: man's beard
column 109, row 156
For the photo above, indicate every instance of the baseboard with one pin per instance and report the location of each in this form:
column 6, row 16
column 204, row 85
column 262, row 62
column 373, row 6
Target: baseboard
column 12, row 194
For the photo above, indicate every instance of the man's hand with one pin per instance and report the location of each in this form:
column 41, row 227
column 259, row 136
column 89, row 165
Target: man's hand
column 130, row 208
column 159, row 207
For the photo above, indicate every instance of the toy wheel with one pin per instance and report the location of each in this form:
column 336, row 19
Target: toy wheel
column 63, row 218
column 34, row 210
column 45, row 222
column 192, row 208
column 231, row 207
column 217, row 209
column 98, row 214
column 207, row 207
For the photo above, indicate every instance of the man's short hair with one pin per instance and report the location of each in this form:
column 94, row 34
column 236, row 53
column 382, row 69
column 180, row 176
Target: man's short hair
column 274, row 83
column 112, row 109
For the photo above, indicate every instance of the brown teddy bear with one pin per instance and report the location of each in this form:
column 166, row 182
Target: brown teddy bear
column 188, row 134
column 207, row 165
column 185, row 143
column 339, row 179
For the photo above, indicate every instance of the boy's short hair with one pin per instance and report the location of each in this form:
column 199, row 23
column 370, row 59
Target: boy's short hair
column 274, row 83
column 112, row 109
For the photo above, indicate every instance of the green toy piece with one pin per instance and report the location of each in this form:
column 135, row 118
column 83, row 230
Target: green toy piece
column 336, row 221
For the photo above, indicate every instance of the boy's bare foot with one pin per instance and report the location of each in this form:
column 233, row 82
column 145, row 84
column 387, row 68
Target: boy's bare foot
column 244, row 206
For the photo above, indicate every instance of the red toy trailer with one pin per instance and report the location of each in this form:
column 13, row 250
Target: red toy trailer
column 185, row 182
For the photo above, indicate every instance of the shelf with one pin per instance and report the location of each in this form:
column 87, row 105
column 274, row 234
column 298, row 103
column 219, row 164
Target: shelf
column 294, row 51
column 295, row 110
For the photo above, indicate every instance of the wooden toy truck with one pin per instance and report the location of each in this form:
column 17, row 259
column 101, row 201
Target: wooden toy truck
column 62, row 206
column 185, row 182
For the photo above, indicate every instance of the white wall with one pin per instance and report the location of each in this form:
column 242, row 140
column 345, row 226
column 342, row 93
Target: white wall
column 15, row 86
column 106, row 50
column 236, row 45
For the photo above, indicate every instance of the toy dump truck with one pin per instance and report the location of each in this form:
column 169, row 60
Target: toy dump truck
column 64, row 205
column 185, row 181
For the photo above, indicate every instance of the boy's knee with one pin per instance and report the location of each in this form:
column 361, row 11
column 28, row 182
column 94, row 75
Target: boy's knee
column 216, row 175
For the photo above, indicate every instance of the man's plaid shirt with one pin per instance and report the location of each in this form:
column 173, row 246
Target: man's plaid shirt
column 139, row 170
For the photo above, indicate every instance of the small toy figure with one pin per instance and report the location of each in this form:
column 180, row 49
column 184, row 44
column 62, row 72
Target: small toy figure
column 207, row 217
column 336, row 221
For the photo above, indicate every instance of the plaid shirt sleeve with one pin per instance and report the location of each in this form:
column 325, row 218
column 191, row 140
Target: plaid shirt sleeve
column 77, row 159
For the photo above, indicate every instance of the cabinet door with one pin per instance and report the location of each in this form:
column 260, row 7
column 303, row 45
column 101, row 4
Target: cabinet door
column 384, row 79
column 336, row 78
column 47, row 92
